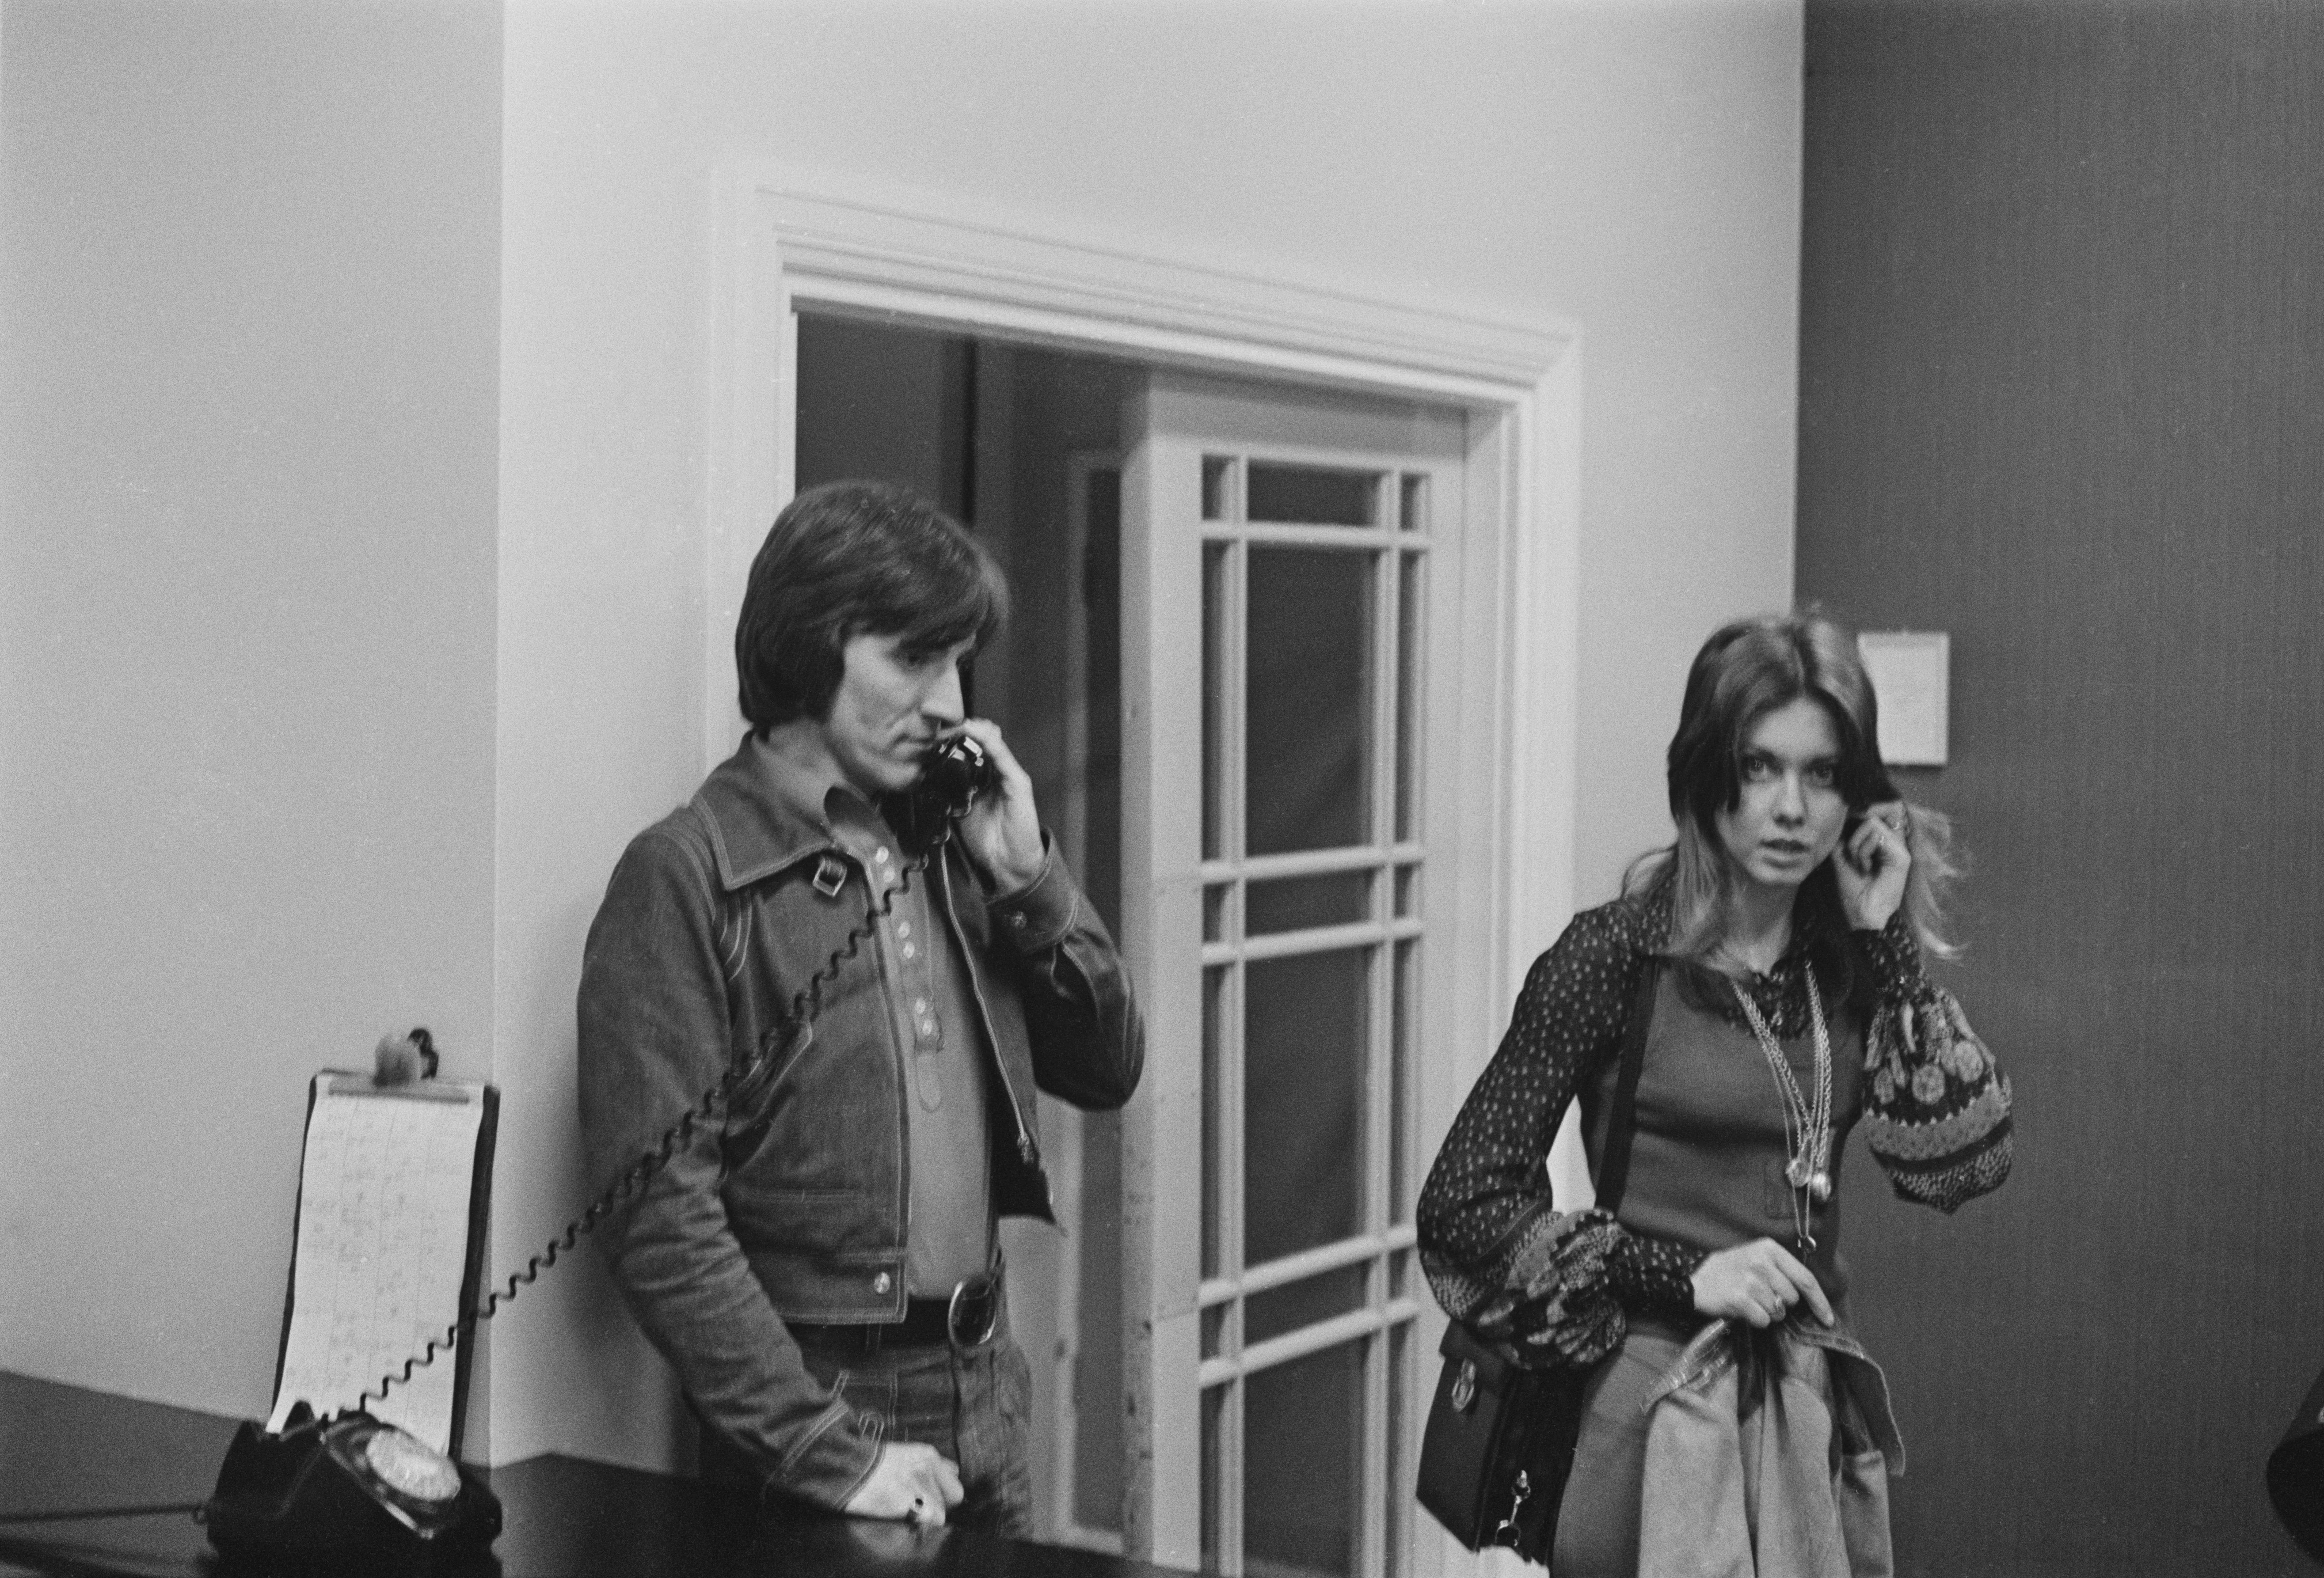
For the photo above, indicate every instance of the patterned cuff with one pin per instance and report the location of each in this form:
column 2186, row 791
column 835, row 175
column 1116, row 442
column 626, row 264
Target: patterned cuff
column 1937, row 1116
column 1566, row 1303
column 1895, row 956
column 1653, row 1276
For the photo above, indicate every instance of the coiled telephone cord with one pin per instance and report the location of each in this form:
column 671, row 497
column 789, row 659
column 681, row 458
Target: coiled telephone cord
column 805, row 1004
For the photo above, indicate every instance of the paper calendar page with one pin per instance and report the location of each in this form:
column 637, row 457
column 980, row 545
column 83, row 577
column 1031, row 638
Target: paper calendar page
column 384, row 1192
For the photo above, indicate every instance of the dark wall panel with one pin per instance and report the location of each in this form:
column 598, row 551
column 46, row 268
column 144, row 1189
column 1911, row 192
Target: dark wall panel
column 2062, row 395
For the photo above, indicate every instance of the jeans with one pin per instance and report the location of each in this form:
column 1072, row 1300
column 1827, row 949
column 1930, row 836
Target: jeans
column 974, row 1409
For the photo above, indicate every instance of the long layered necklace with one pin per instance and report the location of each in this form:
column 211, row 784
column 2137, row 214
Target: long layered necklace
column 1807, row 1119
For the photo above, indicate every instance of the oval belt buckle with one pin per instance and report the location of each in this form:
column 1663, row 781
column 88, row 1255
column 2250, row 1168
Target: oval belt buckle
column 1464, row 1385
column 973, row 1315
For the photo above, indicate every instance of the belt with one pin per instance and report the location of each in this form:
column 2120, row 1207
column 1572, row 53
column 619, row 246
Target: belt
column 966, row 1321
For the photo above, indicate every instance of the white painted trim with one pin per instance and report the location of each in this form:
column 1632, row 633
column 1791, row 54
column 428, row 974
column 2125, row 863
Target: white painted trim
column 845, row 241
column 1544, row 580
column 784, row 237
column 1546, row 683
column 1162, row 576
column 788, row 236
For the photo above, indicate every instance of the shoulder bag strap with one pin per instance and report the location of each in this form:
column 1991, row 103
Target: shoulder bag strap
column 1614, row 1169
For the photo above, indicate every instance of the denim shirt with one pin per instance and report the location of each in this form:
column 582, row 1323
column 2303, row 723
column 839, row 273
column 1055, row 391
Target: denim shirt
column 794, row 1204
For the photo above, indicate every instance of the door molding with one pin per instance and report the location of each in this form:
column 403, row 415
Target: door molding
column 786, row 238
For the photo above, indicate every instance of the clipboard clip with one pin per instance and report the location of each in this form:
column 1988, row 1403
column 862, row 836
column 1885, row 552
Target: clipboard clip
column 401, row 1059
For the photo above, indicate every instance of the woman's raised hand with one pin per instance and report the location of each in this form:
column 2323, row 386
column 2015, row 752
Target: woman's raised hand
column 1872, row 862
column 1758, row 1283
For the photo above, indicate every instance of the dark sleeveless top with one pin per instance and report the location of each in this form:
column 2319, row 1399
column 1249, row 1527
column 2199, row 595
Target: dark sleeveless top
column 1707, row 1151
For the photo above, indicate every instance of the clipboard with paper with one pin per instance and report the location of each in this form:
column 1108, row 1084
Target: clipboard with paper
column 394, row 1191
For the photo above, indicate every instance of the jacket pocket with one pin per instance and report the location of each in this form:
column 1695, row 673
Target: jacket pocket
column 818, row 1171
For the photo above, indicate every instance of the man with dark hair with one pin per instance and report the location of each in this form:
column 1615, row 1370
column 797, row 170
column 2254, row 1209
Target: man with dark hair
column 819, row 1260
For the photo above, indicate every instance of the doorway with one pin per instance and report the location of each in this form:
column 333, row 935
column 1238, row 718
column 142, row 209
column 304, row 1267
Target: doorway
column 1021, row 445
column 1265, row 583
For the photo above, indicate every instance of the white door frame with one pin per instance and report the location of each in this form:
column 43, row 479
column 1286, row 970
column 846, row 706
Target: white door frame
column 785, row 238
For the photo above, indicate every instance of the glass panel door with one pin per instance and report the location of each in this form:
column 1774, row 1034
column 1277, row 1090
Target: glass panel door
column 1292, row 555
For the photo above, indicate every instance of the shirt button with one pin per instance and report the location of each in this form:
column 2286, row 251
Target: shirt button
column 920, row 1004
column 927, row 1027
column 1016, row 920
column 911, row 951
column 903, row 928
column 880, row 854
column 882, row 1282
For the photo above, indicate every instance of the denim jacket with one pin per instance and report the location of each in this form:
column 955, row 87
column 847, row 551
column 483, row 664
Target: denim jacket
column 793, row 1203
column 1769, row 1452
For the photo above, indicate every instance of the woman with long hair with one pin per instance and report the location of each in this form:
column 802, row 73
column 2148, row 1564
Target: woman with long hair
column 1772, row 957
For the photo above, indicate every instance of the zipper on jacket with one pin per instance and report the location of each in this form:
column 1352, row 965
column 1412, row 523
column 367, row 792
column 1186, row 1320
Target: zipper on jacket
column 1027, row 1152
column 903, row 1107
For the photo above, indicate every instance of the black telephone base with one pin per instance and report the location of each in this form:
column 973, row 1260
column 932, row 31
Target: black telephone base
column 348, row 1495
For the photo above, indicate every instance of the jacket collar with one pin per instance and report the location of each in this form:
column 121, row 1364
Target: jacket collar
column 764, row 816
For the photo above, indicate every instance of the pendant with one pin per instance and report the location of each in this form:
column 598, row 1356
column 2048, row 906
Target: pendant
column 1810, row 1170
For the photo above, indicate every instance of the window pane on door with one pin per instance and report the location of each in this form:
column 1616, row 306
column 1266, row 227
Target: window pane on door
column 1412, row 513
column 1308, row 718
column 1404, row 1006
column 1307, row 1302
column 1215, row 1132
column 1292, row 903
column 1306, row 1050
column 1311, row 495
column 1215, row 1457
column 1216, row 666
column 1303, row 1464
column 1410, row 600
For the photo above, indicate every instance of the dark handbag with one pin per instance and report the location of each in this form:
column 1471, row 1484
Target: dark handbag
column 1500, row 1439
column 1500, row 1446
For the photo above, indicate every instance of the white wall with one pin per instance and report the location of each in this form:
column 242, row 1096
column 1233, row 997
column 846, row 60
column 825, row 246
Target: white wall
column 1632, row 167
column 247, row 505
column 315, row 724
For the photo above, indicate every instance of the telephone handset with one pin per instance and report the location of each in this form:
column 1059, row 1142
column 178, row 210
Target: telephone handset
column 332, row 1493
column 952, row 776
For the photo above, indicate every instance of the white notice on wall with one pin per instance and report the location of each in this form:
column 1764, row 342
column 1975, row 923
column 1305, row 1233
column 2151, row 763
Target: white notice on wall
column 384, row 1189
column 1910, row 670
